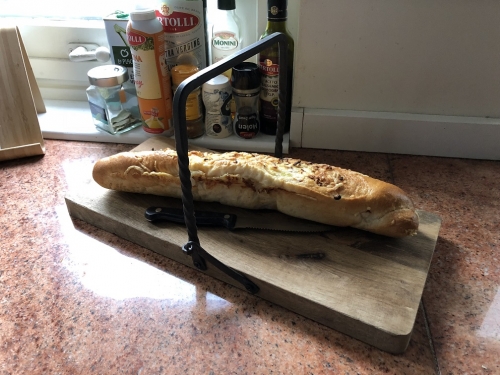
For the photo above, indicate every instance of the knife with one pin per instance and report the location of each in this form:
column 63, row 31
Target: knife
column 256, row 219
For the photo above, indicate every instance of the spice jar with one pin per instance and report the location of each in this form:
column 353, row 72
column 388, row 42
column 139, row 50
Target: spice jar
column 114, row 109
column 217, row 99
column 194, row 109
column 245, row 81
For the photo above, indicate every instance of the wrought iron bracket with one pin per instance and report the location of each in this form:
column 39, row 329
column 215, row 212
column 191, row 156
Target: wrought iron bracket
column 193, row 247
column 200, row 257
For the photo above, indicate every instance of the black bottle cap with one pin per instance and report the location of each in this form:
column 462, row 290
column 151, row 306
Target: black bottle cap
column 245, row 76
column 226, row 4
column 277, row 10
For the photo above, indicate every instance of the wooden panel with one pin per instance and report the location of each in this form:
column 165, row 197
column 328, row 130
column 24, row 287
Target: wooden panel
column 20, row 100
column 362, row 284
column 21, row 151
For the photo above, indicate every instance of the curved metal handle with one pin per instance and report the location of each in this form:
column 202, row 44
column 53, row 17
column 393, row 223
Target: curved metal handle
column 198, row 79
column 181, row 139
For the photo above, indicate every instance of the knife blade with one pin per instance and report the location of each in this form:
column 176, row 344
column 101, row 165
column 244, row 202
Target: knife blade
column 256, row 219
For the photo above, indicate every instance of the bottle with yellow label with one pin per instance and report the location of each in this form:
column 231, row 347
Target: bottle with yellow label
column 152, row 79
column 194, row 108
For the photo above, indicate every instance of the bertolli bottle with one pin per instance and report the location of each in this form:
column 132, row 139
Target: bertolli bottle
column 269, row 69
column 184, row 24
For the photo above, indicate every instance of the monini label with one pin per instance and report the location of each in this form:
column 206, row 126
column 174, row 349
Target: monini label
column 224, row 44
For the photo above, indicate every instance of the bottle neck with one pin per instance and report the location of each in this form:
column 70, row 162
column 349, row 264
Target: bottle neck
column 276, row 25
column 230, row 14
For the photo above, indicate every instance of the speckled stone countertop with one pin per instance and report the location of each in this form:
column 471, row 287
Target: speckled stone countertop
column 77, row 300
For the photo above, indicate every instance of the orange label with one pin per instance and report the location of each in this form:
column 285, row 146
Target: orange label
column 152, row 79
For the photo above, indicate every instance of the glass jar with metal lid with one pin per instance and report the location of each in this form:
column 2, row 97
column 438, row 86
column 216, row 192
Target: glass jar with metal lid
column 114, row 108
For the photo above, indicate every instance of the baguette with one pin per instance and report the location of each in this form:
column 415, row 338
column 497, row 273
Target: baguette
column 317, row 192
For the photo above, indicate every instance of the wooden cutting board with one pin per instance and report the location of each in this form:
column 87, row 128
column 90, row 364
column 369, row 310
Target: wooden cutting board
column 364, row 285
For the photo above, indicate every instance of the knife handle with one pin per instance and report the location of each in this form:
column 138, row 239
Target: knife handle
column 202, row 217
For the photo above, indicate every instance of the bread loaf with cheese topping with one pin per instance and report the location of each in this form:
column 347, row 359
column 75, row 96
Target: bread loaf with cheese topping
column 317, row 192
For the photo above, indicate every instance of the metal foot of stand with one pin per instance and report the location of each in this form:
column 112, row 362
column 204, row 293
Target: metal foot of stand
column 193, row 247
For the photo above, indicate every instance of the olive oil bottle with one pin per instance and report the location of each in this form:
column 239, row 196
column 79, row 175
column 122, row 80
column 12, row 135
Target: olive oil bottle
column 269, row 69
column 185, row 25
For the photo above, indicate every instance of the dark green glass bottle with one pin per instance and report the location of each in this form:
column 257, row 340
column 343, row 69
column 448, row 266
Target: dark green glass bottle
column 269, row 69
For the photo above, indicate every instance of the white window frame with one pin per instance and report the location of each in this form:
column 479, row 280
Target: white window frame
column 46, row 42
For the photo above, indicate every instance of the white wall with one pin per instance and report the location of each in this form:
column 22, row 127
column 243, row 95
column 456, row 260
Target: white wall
column 411, row 56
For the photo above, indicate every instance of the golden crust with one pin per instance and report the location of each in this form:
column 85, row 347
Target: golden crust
column 316, row 192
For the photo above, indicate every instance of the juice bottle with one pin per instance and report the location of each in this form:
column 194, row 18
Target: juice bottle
column 152, row 79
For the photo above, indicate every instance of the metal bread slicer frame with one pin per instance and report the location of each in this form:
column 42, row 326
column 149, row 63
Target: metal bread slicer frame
column 193, row 247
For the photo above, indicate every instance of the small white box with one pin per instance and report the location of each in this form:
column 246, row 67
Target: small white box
column 118, row 46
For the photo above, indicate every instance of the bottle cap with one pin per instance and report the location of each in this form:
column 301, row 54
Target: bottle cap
column 226, row 4
column 142, row 14
column 245, row 76
column 277, row 10
column 216, row 83
column 107, row 75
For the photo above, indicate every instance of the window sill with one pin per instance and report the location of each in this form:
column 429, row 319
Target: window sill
column 71, row 120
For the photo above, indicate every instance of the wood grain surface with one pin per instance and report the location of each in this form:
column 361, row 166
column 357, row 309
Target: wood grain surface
column 20, row 100
column 364, row 285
